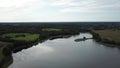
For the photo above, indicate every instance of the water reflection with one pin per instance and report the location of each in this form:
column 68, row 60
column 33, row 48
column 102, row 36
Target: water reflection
column 33, row 52
column 66, row 53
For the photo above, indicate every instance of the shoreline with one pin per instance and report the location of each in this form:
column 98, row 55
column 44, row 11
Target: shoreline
column 99, row 38
column 16, row 47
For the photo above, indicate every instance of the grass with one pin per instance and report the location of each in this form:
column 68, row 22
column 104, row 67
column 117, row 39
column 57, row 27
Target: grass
column 112, row 35
column 21, row 36
column 13, row 34
column 17, row 37
column 27, row 37
column 1, row 53
column 2, row 46
column 51, row 29
column 7, row 60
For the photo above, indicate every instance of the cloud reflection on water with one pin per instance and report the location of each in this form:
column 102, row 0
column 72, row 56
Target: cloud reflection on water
column 34, row 52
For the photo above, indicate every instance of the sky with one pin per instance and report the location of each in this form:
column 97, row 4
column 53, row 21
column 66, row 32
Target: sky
column 59, row 10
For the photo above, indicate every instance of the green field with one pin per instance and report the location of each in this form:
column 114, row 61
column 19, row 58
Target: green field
column 51, row 29
column 111, row 35
column 16, row 37
column 21, row 36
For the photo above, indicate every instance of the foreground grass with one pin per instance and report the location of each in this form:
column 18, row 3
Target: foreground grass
column 3, row 58
column 20, row 36
column 2, row 46
column 1, row 53
column 109, row 35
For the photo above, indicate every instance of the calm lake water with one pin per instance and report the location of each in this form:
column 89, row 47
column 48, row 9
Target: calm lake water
column 66, row 53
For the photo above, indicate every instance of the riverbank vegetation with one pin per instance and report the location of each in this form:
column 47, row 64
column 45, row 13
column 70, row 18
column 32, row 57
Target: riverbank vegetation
column 5, row 54
column 107, row 36
column 17, row 41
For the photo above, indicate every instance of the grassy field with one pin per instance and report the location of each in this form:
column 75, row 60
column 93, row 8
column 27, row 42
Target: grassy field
column 17, row 37
column 20, row 36
column 51, row 29
column 112, row 35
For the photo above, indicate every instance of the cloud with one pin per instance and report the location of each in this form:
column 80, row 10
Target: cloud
column 62, row 2
column 18, row 10
column 57, row 10
column 13, row 3
column 87, row 5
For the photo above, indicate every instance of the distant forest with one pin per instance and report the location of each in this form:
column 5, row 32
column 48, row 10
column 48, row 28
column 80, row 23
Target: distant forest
column 36, row 27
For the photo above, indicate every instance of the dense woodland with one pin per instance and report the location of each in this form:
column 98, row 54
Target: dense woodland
column 37, row 27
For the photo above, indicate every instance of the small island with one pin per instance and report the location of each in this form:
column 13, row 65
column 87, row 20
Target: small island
column 81, row 39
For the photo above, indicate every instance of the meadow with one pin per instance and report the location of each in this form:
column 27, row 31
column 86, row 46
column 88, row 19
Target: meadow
column 51, row 29
column 20, row 36
column 109, row 35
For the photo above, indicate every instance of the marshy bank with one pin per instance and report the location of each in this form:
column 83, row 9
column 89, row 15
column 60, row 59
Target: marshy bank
column 5, row 54
column 107, row 36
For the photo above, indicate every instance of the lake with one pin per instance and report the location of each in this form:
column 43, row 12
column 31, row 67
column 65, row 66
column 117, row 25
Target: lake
column 66, row 53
